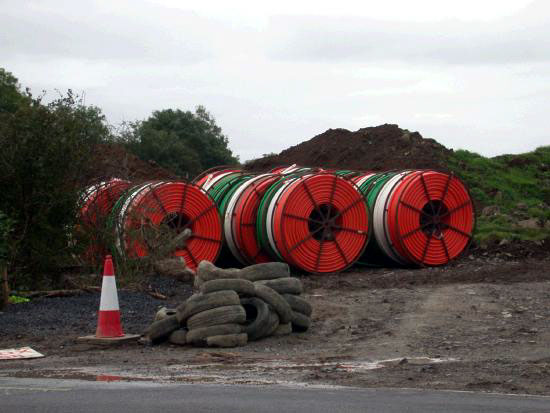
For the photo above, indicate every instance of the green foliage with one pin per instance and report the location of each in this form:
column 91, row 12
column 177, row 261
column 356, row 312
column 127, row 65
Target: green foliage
column 10, row 93
column 507, row 181
column 46, row 152
column 494, row 229
column 184, row 142
column 15, row 299
column 6, row 229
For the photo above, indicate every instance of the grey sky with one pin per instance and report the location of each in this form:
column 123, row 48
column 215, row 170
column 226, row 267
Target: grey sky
column 472, row 75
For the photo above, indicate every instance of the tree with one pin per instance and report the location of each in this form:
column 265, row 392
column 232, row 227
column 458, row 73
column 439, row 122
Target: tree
column 45, row 157
column 10, row 93
column 184, row 142
column 6, row 226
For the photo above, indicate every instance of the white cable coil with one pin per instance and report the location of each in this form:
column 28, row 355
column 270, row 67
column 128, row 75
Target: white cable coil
column 380, row 218
column 228, row 222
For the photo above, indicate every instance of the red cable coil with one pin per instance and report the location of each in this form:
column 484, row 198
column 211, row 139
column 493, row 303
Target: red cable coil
column 97, row 203
column 430, row 217
column 321, row 224
column 282, row 168
column 244, row 220
column 179, row 205
column 100, row 200
column 212, row 173
column 277, row 169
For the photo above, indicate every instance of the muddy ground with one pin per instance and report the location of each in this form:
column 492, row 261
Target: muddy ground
column 480, row 324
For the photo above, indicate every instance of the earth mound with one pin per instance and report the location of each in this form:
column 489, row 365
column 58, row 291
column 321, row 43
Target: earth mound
column 113, row 161
column 378, row 148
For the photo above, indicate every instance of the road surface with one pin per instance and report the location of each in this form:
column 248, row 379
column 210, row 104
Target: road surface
column 60, row 396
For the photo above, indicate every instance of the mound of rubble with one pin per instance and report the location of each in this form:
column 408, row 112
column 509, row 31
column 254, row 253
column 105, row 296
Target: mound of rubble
column 112, row 160
column 234, row 306
column 378, row 148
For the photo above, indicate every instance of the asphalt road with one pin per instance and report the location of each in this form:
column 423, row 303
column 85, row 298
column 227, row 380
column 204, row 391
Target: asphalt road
column 50, row 395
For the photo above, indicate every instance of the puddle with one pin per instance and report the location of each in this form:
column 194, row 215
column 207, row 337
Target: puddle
column 349, row 366
column 108, row 378
column 257, row 373
column 76, row 374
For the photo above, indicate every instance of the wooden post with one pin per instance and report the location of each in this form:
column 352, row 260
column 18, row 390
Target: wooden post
column 4, row 299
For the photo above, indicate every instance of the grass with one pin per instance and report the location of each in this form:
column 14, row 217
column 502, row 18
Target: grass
column 507, row 181
column 15, row 299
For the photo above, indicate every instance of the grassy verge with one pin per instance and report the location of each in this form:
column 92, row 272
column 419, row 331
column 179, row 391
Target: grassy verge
column 518, row 186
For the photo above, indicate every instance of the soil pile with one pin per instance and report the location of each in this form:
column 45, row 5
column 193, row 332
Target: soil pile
column 378, row 148
column 113, row 161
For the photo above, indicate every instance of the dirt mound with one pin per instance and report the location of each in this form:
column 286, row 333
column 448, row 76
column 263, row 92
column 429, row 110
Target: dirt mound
column 378, row 148
column 113, row 161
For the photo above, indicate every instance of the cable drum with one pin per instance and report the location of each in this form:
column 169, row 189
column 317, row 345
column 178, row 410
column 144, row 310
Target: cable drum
column 209, row 173
column 213, row 179
column 153, row 213
column 262, row 223
column 119, row 215
column 94, row 206
column 433, row 218
column 293, row 169
column 420, row 217
column 244, row 218
column 228, row 215
column 270, row 211
column 380, row 222
column 319, row 223
column 222, row 190
column 361, row 179
column 370, row 185
column 285, row 170
column 97, row 201
column 240, row 207
column 279, row 169
column 223, row 194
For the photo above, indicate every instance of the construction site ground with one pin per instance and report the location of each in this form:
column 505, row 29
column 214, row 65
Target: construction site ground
column 480, row 324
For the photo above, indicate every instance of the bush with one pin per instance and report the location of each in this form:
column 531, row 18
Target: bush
column 46, row 152
column 6, row 229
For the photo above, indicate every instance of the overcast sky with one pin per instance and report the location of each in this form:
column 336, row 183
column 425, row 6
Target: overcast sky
column 473, row 74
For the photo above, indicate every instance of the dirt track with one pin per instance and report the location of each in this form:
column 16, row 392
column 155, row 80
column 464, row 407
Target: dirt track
column 481, row 324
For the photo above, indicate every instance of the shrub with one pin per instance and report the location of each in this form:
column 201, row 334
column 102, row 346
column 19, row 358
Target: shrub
column 46, row 152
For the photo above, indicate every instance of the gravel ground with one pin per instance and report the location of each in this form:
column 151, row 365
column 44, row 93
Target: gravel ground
column 481, row 324
column 61, row 316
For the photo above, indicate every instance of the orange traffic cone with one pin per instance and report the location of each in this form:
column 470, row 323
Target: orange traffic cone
column 109, row 329
column 108, row 323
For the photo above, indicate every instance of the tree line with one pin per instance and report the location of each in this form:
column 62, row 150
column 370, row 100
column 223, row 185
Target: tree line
column 45, row 160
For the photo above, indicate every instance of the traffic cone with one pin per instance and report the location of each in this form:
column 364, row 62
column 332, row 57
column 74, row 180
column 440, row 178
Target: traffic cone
column 108, row 323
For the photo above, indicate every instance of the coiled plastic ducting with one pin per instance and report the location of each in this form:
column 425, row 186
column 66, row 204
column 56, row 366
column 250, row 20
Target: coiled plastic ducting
column 97, row 201
column 285, row 169
column 321, row 221
column 316, row 222
column 240, row 219
column 222, row 192
column 225, row 196
column 94, row 206
column 175, row 206
column 263, row 222
column 294, row 169
column 207, row 181
column 420, row 217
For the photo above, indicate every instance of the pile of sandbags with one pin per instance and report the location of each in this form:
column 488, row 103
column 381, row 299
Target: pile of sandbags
column 233, row 306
